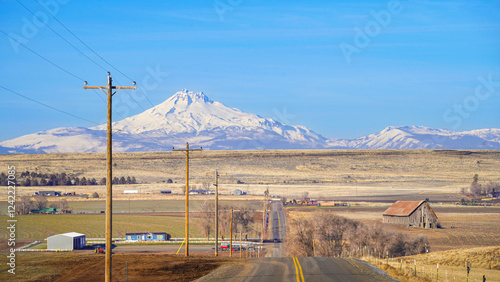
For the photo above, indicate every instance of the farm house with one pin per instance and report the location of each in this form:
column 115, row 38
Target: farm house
column 411, row 213
column 147, row 236
column 66, row 241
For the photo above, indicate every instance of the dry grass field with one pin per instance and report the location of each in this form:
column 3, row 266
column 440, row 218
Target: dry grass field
column 372, row 178
column 324, row 173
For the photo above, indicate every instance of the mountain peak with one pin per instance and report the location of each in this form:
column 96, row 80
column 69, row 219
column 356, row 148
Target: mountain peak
column 189, row 96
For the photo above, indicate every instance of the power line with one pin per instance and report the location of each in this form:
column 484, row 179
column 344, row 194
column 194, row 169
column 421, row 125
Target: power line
column 49, row 61
column 81, row 40
column 48, row 106
column 92, row 50
column 63, row 37
column 155, row 120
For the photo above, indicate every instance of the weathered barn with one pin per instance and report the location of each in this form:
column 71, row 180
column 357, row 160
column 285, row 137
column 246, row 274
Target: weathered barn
column 147, row 236
column 66, row 241
column 411, row 213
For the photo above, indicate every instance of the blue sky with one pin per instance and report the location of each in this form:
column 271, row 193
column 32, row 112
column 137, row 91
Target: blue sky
column 342, row 68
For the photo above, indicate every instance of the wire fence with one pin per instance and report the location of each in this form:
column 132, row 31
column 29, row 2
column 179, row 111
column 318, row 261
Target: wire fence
column 425, row 272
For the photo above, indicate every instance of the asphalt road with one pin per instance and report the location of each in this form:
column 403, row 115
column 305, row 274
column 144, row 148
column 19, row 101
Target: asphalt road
column 297, row 269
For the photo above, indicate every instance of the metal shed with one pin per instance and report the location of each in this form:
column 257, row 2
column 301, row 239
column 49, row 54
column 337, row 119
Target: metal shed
column 411, row 213
column 66, row 241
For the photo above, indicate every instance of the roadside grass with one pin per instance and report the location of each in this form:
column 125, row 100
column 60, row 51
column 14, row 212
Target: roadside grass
column 482, row 257
column 484, row 261
column 430, row 272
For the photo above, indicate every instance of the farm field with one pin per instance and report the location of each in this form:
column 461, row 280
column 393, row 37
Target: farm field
column 324, row 173
column 39, row 227
column 149, row 206
column 462, row 226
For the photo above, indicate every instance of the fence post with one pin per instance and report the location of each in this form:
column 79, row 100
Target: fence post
column 437, row 272
column 415, row 267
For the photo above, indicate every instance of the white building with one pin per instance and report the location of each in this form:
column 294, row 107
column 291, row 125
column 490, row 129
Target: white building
column 66, row 241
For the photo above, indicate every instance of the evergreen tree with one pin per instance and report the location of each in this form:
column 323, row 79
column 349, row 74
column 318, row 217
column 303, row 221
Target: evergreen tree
column 27, row 182
column 122, row 180
column 102, row 181
column 133, row 180
column 83, row 181
column 129, row 180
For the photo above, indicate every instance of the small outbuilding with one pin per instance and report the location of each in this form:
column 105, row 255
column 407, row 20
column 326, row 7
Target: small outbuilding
column 411, row 213
column 237, row 192
column 66, row 241
column 147, row 236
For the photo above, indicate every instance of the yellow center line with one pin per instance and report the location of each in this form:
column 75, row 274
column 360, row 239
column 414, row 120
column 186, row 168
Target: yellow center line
column 300, row 268
column 279, row 225
column 296, row 269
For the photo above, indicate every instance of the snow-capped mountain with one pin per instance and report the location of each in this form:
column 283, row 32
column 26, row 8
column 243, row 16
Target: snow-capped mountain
column 420, row 137
column 184, row 117
column 194, row 118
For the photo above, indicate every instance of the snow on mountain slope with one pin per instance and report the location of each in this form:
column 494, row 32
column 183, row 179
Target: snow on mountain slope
column 185, row 117
column 194, row 118
column 420, row 137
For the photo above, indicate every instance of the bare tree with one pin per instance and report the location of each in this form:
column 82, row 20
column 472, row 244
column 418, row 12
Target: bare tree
column 331, row 233
column 300, row 238
column 224, row 220
column 206, row 218
column 24, row 206
column 243, row 219
column 305, row 196
column 40, row 202
column 491, row 187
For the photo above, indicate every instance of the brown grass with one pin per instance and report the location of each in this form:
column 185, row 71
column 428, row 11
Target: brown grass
column 482, row 257
column 323, row 172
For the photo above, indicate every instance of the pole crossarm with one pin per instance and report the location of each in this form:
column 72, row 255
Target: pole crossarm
column 216, row 184
column 109, row 190
column 187, row 150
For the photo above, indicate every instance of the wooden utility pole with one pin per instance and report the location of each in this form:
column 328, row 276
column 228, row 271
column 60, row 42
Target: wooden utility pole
column 216, row 184
column 187, row 150
column 266, row 193
column 231, row 241
column 109, row 179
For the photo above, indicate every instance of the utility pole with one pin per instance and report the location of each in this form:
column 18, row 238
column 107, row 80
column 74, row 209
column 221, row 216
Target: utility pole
column 266, row 193
column 216, row 184
column 109, row 179
column 231, row 241
column 187, row 150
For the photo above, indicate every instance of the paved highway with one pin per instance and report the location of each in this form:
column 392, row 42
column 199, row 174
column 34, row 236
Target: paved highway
column 297, row 269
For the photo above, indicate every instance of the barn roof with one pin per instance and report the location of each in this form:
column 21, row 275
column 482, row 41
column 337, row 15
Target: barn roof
column 403, row 208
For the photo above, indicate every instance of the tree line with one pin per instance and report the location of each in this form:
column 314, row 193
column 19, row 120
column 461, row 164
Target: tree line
column 62, row 179
column 25, row 204
column 477, row 189
column 328, row 235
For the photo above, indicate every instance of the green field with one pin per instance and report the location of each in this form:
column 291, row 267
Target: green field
column 39, row 227
column 138, row 206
